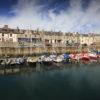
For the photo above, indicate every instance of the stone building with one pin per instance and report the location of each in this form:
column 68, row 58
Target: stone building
column 23, row 37
column 23, row 42
column 7, row 34
column 87, row 39
column 29, row 38
column 19, row 37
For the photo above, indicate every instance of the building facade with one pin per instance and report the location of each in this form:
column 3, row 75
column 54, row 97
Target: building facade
column 33, row 41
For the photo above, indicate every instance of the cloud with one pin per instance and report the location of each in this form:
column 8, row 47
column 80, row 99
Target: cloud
column 74, row 19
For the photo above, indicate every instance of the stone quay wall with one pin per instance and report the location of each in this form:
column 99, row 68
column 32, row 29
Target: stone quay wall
column 14, row 50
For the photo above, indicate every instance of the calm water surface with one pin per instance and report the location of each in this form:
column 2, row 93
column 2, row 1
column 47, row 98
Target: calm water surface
column 70, row 83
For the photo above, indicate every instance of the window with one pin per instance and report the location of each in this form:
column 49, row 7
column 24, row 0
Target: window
column 33, row 40
column 10, row 40
column 47, row 41
column 10, row 35
column 2, row 34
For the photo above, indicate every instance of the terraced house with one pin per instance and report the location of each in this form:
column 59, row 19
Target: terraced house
column 28, row 42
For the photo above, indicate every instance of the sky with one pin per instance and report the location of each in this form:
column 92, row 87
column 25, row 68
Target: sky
column 81, row 16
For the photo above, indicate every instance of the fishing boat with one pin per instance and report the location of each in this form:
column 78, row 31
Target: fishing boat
column 93, row 56
column 74, row 58
column 57, row 62
column 84, row 57
column 31, row 61
column 58, row 59
column 53, row 56
column 46, row 60
column 7, row 62
column 13, row 62
column 98, row 56
column 20, row 62
column 2, row 62
column 66, row 58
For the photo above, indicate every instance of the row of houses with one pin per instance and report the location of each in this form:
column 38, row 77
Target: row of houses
column 20, row 37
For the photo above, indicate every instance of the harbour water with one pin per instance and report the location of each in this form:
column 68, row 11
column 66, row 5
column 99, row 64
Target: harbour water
column 72, row 82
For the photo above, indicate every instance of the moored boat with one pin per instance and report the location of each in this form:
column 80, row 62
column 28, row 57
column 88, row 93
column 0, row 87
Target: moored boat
column 84, row 57
column 93, row 56
column 74, row 58
column 31, row 62
column 67, row 58
column 58, row 59
column 47, row 61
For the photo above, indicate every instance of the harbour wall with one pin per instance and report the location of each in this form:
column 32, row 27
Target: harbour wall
column 36, row 50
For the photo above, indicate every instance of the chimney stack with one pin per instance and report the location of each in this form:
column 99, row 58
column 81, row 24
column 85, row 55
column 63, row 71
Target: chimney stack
column 5, row 27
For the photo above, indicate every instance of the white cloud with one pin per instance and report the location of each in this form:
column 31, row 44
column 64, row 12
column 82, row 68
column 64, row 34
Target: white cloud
column 74, row 19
